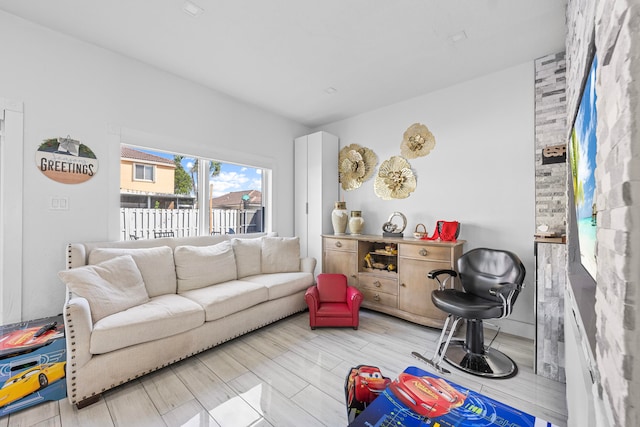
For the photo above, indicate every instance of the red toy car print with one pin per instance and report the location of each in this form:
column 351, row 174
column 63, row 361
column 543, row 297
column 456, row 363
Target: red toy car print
column 368, row 383
column 427, row 396
column 362, row 386
column 26, row 340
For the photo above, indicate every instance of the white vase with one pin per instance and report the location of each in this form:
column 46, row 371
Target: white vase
column 339, row 218
column 356, row 222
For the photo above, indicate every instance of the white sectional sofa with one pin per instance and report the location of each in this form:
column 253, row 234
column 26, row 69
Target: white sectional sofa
column 136, row 306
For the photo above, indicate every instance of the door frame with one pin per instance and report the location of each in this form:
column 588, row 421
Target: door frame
column 11, row 210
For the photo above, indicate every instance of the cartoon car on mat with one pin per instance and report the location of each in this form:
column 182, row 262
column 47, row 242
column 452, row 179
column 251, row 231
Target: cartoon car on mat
column 427, row 396
column 365, row 384
column 27, row 340
column 29, row 381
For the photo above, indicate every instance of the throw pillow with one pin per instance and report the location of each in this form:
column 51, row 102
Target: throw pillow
column 247, row 253
column 110, row 287
column 155, row 264
column 200, row 266
column 280, row 254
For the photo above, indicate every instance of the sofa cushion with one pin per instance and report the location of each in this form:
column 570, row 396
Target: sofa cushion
column 109, row 287
column 247, row 253
column 283, row 284
column 155, row 264
column 280, row 254
column 227, row 298
column 162, row 316
column 200, row 266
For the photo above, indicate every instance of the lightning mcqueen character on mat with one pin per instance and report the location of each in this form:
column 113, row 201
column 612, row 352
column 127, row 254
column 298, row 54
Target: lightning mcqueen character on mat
column 427, row 396
column 363, row 385
column 27, row 340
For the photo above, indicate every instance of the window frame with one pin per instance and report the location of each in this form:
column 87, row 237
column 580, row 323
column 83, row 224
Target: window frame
column 203, row 193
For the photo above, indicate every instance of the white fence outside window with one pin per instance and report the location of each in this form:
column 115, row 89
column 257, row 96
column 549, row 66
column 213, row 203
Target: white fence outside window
column 139, row 223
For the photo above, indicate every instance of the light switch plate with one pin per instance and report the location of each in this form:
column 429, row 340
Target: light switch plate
column 59, row 203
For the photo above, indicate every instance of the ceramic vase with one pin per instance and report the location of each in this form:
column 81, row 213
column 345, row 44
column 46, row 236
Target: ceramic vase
column 356, row 222
column 339, row 218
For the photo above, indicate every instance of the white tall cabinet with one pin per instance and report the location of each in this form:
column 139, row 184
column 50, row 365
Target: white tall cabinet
column 316, row 190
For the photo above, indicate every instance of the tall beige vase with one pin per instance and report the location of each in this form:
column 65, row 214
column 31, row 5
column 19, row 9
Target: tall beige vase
column 339, row 218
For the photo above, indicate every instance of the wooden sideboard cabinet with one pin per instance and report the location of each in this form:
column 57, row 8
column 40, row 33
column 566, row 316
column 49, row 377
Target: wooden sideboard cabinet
column 392, row 273
column 340, row 256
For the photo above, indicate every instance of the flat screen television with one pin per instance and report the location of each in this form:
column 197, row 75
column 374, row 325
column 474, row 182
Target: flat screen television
column 582, row 158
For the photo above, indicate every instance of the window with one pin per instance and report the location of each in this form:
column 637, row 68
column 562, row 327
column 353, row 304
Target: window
column 165, row 192
column 144, row 172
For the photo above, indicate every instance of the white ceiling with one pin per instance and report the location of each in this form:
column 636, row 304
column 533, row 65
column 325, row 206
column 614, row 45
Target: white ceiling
column 282, row 55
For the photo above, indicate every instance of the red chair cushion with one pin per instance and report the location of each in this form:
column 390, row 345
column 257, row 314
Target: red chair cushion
column 334, row 309
column 332, row 287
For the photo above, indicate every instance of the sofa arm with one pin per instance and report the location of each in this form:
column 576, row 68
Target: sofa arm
column 78, row 327
column 308, row 265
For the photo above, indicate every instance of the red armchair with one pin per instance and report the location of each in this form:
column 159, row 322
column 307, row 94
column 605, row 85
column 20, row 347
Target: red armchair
column 333, row 303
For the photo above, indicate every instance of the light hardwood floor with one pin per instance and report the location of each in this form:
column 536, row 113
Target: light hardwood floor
column 288, row 375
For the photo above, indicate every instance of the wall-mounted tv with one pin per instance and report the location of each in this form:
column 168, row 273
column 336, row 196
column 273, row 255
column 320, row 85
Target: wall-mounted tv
column 582, row 152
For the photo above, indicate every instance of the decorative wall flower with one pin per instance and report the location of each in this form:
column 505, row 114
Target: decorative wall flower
column 417, row 141
column 395, row 179
column 355, row 165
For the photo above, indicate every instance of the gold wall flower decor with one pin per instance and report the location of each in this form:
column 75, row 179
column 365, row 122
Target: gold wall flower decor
column 417, row 141
column 395, row 179
column 356, row 164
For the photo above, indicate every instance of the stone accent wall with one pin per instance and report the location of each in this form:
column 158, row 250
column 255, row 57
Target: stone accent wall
column 551, row 210
column 551, row 130
column 616, row 24
column 551, row 279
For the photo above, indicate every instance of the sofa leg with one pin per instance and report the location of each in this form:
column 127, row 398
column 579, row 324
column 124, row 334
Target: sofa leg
column 89, row 401
column 355, row 328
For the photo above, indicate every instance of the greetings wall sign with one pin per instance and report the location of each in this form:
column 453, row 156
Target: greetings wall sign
column 66, row 160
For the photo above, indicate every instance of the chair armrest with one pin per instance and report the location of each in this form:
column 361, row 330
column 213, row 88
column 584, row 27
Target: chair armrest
column 354, row 297
column 505, row 292
column 308, row 265
column 503, row 289
column 442, row 284
column 312, row 298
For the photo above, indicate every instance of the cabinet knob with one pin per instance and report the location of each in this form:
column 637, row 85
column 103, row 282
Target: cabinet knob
column 354, row 276
column 376, row 297
column 338, row 245
column 377, row 283
column 403, row 285
column 423, row 252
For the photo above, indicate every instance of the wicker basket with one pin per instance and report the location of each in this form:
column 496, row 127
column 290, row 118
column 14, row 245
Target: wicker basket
column 419, row 234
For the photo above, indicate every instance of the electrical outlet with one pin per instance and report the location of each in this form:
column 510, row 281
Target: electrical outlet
column 59, row 203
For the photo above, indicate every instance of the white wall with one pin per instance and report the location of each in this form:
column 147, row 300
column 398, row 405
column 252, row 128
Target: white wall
column 73, row 88
column 480, row 173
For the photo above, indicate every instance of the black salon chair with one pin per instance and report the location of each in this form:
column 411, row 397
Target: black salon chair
column 492, row 280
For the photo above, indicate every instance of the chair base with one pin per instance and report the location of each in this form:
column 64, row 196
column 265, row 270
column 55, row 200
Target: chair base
column 491, row 363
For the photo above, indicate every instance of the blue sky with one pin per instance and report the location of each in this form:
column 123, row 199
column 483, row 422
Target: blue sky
column 232, row 177
column 585, row 129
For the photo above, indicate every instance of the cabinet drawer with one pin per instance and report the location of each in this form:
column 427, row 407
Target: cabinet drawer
column 432, row 252
column 372, row 297
column 378, row 284
column 340, row 244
